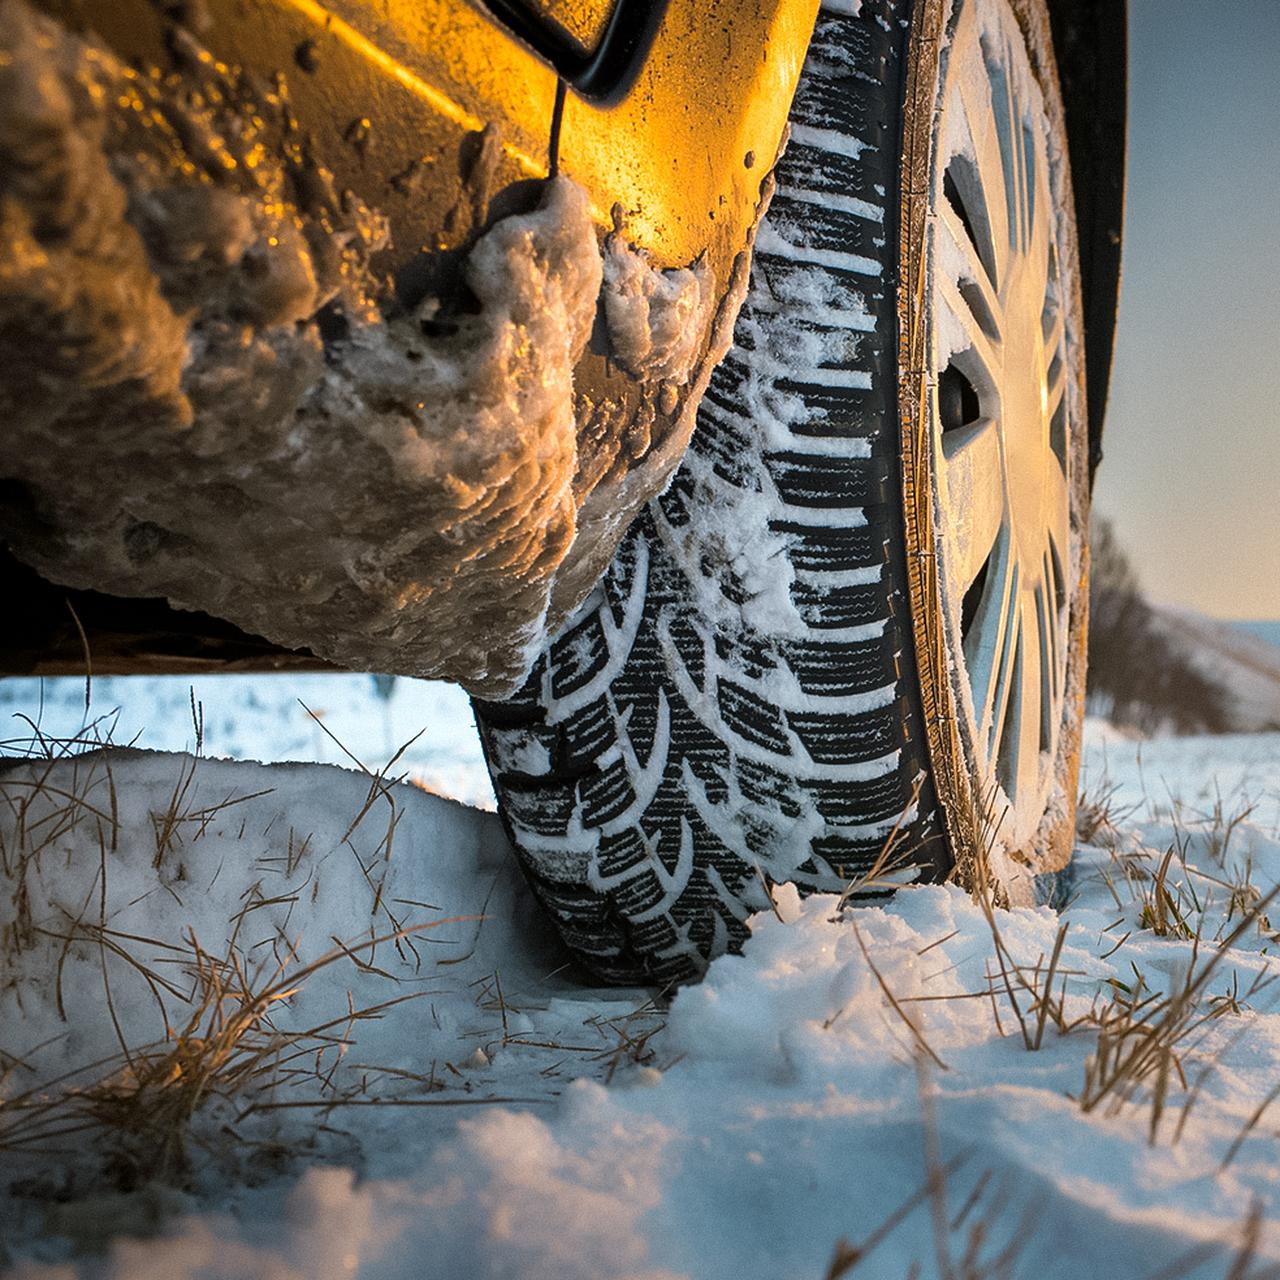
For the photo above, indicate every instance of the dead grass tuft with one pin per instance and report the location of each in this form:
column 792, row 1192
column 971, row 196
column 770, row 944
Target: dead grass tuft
column 1144, row 1037
column 223, row 1048
column 224, row 1045
column 1100, row 814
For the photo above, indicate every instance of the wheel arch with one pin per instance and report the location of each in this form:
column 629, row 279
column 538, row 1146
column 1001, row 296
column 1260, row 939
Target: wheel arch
column 1090, row 39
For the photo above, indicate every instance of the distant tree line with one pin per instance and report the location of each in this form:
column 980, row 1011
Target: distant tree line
column 1138, row 678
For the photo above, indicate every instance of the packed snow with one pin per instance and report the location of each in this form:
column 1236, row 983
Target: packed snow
column 656, row 318
column 424, row 1086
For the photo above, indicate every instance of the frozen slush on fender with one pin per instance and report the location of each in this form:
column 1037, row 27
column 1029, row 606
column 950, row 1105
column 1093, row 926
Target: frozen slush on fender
column 402, row 495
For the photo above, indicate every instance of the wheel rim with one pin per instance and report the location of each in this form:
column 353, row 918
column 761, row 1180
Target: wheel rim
column 1001, row 416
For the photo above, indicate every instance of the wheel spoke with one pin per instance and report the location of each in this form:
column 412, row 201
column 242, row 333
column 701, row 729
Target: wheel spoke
column 990, row 177
column 975, row 337
column 959, row 257
column 975, row 498
column 1048, row 613
column 1035, row 231
column 1056, row 379
column 1054, row 330
column 986, row 648
column 1038, row 229
column 1002, row 109
column 999, row 720
column 1020, row 750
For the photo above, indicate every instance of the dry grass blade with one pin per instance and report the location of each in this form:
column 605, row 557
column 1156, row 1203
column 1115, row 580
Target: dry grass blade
column 1029, row 991
column 1141, row 1036
column 226, row 1046
column 1099, row 814
column 1164, row 908
column 893, row 858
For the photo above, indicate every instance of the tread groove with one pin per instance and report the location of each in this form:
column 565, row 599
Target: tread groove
column 761, row 716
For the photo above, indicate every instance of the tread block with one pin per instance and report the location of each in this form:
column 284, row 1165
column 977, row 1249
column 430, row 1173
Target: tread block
column 835, row 670
column 638, row 705
column 733, row 385
column 714, row 931
column 724, row 436
column 687, row 641
column 528, row 749
column 675, row 503
column 840, row 411
column 751, row 717
column 640, row 892
column 756, row 659
column 606, row 794
column 828, row 104
column 544, row 807
column 586, row 735
column 654, row 935
column 819, row 227
column 831, row 608
column 524, row 707
column 808, row 480
column 844, row 739
column 848, row 858
column 621, row 853
column 828, row 548
column 711, row 769
column 789, row 293
column 768, row 787
column 577, row 656
column 849, row 803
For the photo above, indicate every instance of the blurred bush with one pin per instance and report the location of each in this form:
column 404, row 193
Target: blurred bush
column 1138, row 677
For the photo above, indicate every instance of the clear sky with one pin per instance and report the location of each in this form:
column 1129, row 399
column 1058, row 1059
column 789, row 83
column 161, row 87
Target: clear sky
column 1191, row 476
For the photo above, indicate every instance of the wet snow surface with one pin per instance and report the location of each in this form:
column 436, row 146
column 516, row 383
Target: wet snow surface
column 504, row 1118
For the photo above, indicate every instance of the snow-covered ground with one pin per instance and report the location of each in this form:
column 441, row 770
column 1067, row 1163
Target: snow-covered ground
column 425, row 725
column 458, row 1102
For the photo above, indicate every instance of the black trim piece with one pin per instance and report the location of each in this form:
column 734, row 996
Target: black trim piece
column 557, row 119
column 606, row 73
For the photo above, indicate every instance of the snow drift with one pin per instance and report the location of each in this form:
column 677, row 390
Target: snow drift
column 510, row 1120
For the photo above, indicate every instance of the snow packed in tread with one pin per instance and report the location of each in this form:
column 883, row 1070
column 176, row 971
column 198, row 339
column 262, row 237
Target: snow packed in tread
column 749, row 721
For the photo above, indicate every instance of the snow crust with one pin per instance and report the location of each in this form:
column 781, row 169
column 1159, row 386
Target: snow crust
column 421, row 728
column 772, row 1110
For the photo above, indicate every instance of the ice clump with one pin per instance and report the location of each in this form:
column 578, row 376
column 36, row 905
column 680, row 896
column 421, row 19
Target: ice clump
column 656, row 318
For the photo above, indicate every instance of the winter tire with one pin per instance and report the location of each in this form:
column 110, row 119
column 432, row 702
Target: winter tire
column 856, row 617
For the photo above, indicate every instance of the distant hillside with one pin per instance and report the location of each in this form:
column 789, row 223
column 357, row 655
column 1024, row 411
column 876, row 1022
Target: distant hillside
column 1242, row 658
column 1268, row 631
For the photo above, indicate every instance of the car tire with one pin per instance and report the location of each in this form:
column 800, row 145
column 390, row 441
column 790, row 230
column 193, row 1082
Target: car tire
column 772, row 682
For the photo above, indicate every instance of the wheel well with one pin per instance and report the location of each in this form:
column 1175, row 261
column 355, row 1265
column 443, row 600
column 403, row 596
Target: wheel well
column 1090, row 39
